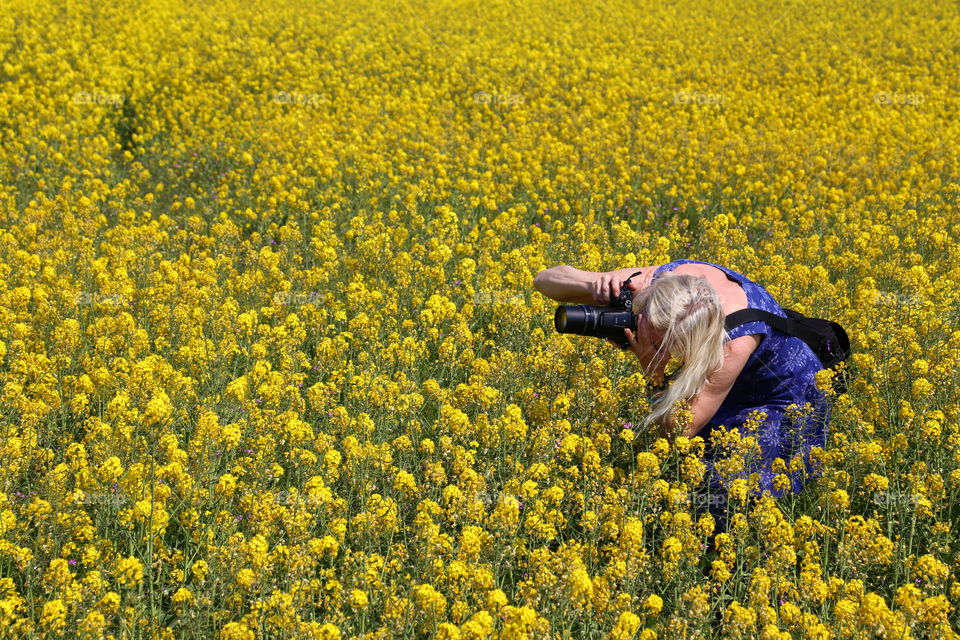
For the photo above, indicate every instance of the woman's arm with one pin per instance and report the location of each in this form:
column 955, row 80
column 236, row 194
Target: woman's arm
column 704, row 405
column 568, row 284
column 564, row 283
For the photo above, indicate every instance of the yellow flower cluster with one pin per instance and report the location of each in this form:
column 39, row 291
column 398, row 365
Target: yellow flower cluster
column 271, row 362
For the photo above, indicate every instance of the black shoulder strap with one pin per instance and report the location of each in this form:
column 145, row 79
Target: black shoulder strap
column 786, row 325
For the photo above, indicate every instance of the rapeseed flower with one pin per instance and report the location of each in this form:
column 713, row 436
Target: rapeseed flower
column 268, row 321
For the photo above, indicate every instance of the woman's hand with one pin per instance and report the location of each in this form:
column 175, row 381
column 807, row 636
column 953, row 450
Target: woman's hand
column 634, row 345
column 643, row 341
column 607, row 285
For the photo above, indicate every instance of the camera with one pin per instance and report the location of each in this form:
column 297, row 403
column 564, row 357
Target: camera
column 600, row 322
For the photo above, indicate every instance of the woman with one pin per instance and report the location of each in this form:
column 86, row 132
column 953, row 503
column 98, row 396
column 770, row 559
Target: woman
column 726, row 376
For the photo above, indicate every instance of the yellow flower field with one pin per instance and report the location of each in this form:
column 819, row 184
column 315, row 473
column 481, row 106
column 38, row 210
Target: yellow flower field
column 271, row 361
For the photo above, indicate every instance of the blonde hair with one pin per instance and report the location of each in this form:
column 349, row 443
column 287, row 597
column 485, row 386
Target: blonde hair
column 687, row 310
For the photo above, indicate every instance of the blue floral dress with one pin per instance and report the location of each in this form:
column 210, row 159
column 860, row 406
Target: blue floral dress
column 778, row 380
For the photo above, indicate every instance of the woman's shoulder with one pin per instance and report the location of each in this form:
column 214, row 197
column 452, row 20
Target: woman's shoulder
column 733, row 296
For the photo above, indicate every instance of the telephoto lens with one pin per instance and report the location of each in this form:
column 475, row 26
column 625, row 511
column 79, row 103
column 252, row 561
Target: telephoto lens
column 598, row 322
column 577, row 319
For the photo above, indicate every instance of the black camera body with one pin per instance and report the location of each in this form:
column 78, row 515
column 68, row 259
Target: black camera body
column 600, row 322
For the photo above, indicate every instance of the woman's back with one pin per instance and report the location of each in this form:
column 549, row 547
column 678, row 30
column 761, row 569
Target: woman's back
column 778, row 378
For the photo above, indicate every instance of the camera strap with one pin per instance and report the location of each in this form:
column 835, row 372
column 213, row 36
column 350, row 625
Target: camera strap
column 827, row 339
column 786, row 325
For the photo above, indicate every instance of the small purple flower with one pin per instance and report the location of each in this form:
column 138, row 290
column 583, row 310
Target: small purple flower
column 72, row 563
column 628, row 425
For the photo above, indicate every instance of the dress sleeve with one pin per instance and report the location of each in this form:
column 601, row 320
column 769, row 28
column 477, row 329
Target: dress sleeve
column 748, row 329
